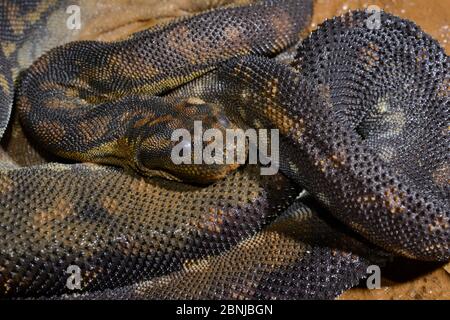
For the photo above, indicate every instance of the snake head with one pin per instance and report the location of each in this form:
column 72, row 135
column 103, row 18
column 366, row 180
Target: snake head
column 185, row 142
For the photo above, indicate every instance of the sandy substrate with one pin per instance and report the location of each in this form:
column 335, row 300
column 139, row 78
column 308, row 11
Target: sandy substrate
column 434, row 284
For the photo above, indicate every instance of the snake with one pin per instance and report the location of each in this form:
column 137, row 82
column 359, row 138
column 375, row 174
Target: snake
column 362, row 114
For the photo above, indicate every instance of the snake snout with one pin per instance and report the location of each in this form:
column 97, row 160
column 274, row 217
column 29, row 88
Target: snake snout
column 190, row 145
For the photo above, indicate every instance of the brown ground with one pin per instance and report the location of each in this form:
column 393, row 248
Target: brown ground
column 432, row 15
column 419, row 283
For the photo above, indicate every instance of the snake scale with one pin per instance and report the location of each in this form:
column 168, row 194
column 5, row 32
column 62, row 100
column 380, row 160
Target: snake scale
column 363, row 120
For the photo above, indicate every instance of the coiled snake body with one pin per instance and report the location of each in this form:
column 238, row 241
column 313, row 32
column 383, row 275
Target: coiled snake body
column 363, row 118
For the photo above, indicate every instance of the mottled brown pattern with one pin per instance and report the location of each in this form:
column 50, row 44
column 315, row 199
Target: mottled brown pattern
column 4, row 85
column 74, row 209
column 442, row 175
column 433, row 17
column 8, row 48
column 91, row 129
column 323, row 60
column 214, row 220
column 51, row 130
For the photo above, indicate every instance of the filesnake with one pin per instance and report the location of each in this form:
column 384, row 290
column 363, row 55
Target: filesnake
column 362, row 114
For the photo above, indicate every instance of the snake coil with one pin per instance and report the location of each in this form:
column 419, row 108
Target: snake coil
column 363, row 118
